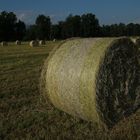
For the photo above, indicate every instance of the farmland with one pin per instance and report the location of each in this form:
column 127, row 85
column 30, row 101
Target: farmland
column 25, row 115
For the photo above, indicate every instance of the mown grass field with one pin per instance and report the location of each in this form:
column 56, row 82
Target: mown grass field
column 25, row 115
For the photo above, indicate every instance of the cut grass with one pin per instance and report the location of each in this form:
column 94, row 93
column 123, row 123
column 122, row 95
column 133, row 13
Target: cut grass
column 24, row 115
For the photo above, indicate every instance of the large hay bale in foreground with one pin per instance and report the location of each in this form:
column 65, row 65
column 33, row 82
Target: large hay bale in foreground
column 42, row 42
column 34, row 43
column 4, row 43
column 18, row 42
column 94, row 79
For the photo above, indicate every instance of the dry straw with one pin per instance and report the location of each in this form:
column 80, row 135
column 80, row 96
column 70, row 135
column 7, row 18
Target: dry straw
column 93, row 79
column 4, row 43
column 34, row 43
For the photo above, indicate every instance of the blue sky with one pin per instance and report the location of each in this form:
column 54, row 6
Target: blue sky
column 107, row 11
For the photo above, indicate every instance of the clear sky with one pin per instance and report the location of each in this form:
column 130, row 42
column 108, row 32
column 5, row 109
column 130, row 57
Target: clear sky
column 107, row 11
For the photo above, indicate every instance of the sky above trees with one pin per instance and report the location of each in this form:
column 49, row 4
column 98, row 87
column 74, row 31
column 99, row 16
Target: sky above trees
column 108, row 11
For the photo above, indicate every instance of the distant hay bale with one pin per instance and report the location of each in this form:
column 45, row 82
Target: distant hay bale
column 4, row 43
column 34, row 43
column 93, row 79
column 18, row 42
column 134, row 40
column 42, row 42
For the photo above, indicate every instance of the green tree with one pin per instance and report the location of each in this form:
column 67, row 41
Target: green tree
column 43, row 27
column 31, row 33
column 7, row 25
column 130, row 29
column 89, row 25
column 122, row 29
column 55, row 31
column 72, row 26
column 20, row 30
column 137, row 30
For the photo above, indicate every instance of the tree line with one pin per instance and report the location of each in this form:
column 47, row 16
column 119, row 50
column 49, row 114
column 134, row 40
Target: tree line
column 86, row 25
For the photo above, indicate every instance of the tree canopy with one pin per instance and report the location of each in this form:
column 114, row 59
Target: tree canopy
column 86, row 25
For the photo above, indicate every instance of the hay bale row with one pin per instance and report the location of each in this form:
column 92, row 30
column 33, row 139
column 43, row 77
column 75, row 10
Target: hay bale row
column 93, row 79
column 35, row 43
column 4, row 43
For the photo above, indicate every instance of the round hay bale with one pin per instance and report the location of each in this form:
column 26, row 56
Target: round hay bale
column 4, row 43
column 18, row 42
column 34, row 43
column 134, row 40
column 93, row 79
column 54, row 40
column 42, row 42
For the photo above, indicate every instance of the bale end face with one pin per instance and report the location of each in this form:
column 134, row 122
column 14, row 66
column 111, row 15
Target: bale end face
column 118, row 82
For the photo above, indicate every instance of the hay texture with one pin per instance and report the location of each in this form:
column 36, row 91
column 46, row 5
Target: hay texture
column 42, row 42
column 93, row 79
column 34, row 43
column 4, row 43
column 18, row 42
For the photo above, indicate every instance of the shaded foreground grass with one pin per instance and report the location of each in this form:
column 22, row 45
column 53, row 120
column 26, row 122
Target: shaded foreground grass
column 25, row 115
